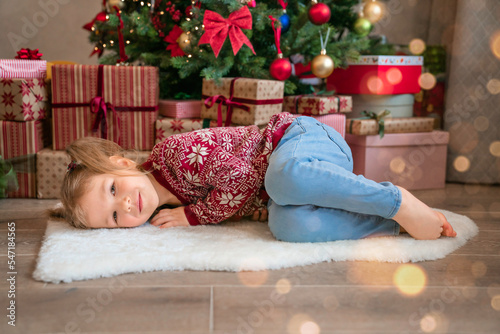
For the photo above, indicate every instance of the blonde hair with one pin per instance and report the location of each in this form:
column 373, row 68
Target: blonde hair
column 90, row 157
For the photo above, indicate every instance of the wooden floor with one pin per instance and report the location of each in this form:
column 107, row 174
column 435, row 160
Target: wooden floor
column 461, row 293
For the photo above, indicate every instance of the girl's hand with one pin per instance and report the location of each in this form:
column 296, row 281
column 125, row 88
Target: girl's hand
column 260, row 215
column 170, row 218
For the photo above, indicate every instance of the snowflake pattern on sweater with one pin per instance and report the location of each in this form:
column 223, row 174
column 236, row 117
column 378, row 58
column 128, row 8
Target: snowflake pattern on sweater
column 218, row 172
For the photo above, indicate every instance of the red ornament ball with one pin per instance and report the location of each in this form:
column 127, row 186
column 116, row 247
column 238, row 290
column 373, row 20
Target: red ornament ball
column 281, row 69
column 319, row 13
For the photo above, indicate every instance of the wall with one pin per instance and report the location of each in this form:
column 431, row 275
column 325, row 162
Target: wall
column 53, row 26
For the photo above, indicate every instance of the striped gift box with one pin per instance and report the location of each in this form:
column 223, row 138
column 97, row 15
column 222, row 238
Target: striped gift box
column 23, row 69
column 19, row 143
column 336, row 121
column 118, row 103
column 180, row 108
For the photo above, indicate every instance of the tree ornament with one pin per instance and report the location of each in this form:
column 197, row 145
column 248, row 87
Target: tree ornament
column 173, row 40
column 284, row 19
column 373, row 11
column 115, row 3
column 362, row 26
column 322, row 65
column 319, row 13
column 184, row 42
column 280, row 69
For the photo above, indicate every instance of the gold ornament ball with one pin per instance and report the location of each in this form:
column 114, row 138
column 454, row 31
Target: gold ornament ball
column 184, row 42
column 322, row 66
column 118, row 3
column 373, row 11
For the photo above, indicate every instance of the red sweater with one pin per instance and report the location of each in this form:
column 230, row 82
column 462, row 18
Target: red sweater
column 219, row 172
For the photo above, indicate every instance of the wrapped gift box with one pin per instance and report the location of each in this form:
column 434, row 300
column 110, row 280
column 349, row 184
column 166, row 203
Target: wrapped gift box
column 260, row 98
column 167, row 126
column 336, row 121
column 430, row 103
column 378, row 75
column 19, row 143
column 24, row 100
column 118, row 103
column 180, row 108
column 23, row 68
column 364, row 127
column 317, row 105
column 400, row 105
column 51, row 166
column 410, row 160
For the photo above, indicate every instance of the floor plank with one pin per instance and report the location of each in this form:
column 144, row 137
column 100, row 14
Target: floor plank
column 115, row 308
column 353, row 309
column 460, row 293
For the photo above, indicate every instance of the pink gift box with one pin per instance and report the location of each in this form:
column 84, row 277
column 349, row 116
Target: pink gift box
column 180, row 108
column 411, row 160
column 336, row 121
column 378, row 75
column 23, row 68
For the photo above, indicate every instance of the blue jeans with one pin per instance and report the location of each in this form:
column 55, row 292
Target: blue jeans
column 315, row 197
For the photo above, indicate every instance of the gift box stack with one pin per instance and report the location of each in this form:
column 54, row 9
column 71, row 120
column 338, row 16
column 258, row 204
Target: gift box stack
column 430, row 101
column 328, row 109
column 24, row 118
column 389, row 143
column 119, row 103
column 230, row 102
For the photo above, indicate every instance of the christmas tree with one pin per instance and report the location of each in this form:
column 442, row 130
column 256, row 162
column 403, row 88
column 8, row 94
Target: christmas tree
column 188, row 40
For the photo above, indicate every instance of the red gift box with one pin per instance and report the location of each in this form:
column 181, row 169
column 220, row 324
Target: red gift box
column 23, row 68
column 23, row 99
column 19, row 143
column 180, row 108
column 118, row 103
column 431, row 103
column 378, row 75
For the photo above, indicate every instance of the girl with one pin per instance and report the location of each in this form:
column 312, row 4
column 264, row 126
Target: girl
column 297, row 169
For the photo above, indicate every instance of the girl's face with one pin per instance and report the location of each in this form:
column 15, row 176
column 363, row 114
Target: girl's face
column 119, row 200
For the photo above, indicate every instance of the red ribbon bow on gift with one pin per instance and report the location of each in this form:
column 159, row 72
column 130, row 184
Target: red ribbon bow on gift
column 100, row 107
column 29, row 54
column 222, row 100
column 217, row 28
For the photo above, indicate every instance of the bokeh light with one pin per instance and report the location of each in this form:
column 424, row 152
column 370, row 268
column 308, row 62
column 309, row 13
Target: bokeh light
column 493, row 86
column 394, row 76
column 495, row 148
column 417, row 46
column 252, row 278
column 461, row 164
column 427, row 81
column 428, row 323
column 309, row 327
column 375, row 84
column 495, row 44
column 410, row 279
column 397, row 165
column 479, row 269
column 481, row 123
column 283, row 286
column 495, row 302
column 297, row 321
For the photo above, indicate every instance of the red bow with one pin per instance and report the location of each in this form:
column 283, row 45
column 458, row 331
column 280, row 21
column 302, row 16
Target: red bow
column 29, row 54
column 222, row 100
column 217, row 28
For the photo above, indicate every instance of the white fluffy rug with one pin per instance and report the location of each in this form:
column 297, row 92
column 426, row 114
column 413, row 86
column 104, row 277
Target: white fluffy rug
column 69, row 254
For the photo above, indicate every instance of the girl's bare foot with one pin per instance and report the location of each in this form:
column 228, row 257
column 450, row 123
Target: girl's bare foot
column 420, row 221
